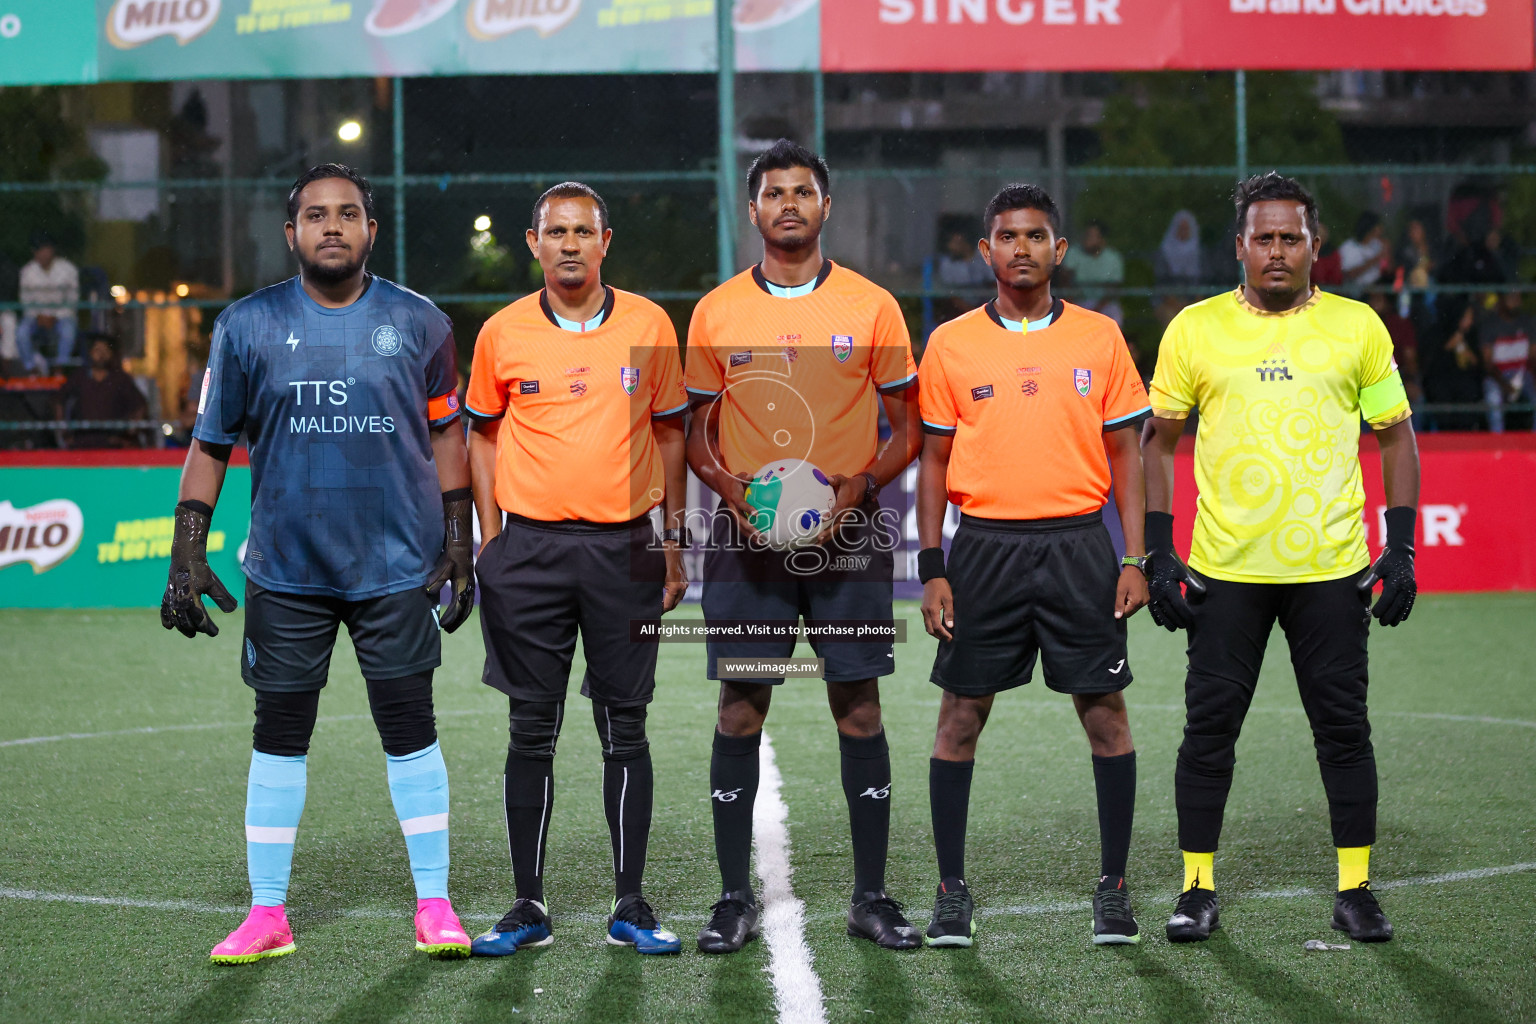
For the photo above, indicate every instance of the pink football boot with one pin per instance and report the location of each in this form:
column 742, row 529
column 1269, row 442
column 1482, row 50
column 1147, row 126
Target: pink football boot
column 265, row 933
column 438, row 932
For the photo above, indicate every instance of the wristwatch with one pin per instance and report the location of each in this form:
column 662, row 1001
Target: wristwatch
column 1138, row 562
column 871, row 485
column 682, row 538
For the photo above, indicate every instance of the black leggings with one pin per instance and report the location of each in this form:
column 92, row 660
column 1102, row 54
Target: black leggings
column 402, row 711
column 1326, row 625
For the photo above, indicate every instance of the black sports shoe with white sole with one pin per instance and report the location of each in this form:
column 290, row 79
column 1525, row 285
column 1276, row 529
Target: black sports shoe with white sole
column 952, row 913
column 1113, row 924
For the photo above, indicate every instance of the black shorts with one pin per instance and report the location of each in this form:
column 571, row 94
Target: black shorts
column 541, row 581
column 849, row 580
column 1024, row 588
column 289, row 637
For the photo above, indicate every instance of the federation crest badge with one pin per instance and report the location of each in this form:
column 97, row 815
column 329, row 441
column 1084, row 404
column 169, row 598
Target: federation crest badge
column 386, row 340
column 842, row 346
column 629, row 377
column 1083, row 381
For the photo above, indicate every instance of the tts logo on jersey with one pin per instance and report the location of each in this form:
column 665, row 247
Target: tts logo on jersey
column 334, row 390
column 1273, row 369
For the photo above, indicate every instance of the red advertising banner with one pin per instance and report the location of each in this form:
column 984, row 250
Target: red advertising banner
column 1121, row 35
column 1477, row 509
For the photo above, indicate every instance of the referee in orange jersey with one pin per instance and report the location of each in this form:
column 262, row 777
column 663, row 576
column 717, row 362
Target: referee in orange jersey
column 576, row 396
column 1022, row 400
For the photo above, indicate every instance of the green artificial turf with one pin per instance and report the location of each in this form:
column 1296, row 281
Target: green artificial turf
column 149, row 822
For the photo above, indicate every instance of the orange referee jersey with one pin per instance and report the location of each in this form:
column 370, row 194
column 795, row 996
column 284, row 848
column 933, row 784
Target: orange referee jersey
column 1028, row 410
column 797, row 377
column 575, row 440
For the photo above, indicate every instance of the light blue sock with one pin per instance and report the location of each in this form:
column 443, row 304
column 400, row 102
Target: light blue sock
column 274, row 802
column 418, row 784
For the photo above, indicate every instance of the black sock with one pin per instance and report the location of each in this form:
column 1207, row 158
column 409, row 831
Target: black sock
column 627, row 786
column 949, row 800
column 1115, row 780
column 733, row 772
column 867, row 787
column 529, row 794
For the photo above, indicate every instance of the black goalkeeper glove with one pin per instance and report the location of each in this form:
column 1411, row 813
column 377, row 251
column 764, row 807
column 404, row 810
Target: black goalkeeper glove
column 1394, row 569
column 457, row 564
column 1165, row 571
column 182, row 606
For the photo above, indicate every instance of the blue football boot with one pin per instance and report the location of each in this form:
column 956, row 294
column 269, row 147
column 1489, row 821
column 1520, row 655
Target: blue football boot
column 524, row 926
column 633, row 923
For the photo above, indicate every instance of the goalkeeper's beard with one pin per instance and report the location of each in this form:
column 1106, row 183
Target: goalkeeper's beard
column 328, row 274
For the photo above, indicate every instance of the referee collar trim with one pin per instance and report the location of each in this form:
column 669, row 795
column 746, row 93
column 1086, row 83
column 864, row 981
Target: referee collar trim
column 603, row 316
column 1057, row 306
column 1248, row 307
column 763, row 283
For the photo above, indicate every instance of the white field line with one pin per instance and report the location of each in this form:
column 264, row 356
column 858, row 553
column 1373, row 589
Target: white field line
column 796, row 989
column 1028, row 909
column 1277, row 894
column 150, row 730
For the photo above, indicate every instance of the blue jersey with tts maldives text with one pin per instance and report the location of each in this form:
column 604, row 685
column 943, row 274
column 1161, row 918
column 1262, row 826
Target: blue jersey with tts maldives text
column 335, row 405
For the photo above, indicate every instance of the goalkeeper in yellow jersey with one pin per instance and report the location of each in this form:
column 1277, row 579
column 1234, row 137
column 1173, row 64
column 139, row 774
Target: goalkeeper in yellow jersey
column 1282, row 374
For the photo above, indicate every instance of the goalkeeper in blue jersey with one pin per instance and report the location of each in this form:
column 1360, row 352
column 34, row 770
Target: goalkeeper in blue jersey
column 345, row 388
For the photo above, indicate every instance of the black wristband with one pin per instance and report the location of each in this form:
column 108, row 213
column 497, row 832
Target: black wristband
column 1159, row 531
column 872, row 485
column 930, row 564
column 193, row 505
column 458, row 494
column 1400, row 522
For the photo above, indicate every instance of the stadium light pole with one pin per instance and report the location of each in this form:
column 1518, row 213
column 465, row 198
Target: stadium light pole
column 1242, row 123
column 397, row 103
column 725, row 176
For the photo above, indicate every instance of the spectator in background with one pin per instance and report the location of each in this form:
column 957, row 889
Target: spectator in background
column 1504, row 341
column 1093, row 261
column 1405, row 346
column 1364, row 257
column 1178, row 257
column 1417, row 257
column 50, row 286
column 102, row 390
column 1488, row 260
column 1453, row 372
column 1326, row 269
column 959, row 265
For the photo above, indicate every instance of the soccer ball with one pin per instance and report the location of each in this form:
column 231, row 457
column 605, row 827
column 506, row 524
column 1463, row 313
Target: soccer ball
column 790, row 501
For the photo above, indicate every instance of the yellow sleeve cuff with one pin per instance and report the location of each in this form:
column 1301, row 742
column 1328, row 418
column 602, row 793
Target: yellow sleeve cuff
column 1386, row 400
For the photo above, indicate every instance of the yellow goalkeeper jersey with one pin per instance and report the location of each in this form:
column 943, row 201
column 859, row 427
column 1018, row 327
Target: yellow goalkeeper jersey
column 1277, row 451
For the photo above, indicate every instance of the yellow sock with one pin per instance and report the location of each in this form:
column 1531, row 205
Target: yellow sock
column 1198, row 872
column 1354, row 866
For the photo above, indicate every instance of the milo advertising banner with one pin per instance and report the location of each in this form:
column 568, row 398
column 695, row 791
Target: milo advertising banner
column 179, row 39
column 100, row 536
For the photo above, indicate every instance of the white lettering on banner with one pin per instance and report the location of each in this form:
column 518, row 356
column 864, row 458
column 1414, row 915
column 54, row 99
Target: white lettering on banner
column 976, row 10
column 1059, row 12
column 1442, row 524
column 42, row 535
column 10, row 26
column 1018, row 12
column 490, row 19
column 134, row 22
